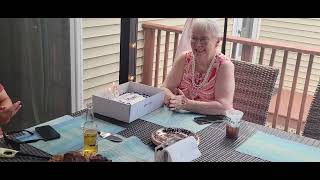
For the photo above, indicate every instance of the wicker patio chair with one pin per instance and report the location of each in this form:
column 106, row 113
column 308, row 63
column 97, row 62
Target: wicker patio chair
column 312, row 126
column 254, row 88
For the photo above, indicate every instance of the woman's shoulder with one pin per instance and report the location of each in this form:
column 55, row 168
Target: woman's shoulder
column 185, row 56
column 1, row 87
column 224, row 61
column 181, row 58
column 223, row 58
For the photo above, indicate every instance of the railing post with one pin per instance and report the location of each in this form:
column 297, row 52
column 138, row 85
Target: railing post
column 166, row 52
column 156, row 74
column 176, row 39
column 283, row 71
column 293, row 89
column 247, row 52
column 128, row 50
column 305, row 92
column 149, row 37
column 261, row 55
column 234, row 49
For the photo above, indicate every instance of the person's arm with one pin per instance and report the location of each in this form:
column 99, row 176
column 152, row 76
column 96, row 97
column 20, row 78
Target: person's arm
column 174, row 77
column 7, row 109
column 224, row 91
column 5, row 100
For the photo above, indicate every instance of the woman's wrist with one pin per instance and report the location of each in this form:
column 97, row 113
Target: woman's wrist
column 187, row 104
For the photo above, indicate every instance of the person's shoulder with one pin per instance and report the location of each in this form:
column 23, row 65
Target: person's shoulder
column 222, row 57
column 186, row 54
column 181, row 58
column 225, row 62
column 1, row 87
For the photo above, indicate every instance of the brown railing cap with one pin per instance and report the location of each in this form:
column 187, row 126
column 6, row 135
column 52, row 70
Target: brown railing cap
column 241, row 40
column 274, row 45
column 149, row 25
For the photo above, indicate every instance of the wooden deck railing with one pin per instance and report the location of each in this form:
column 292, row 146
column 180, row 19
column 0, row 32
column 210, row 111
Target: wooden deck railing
column 150, row 30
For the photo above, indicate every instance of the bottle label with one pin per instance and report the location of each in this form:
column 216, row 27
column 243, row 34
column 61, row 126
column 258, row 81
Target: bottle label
column 90, row 142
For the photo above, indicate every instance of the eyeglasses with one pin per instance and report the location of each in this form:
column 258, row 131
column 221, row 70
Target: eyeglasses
column 203, row 41
column 13, row 143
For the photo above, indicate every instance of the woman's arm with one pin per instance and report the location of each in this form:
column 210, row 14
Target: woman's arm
column 174, row 77
column 5, row 100
column 224, row 91
column 7, row 109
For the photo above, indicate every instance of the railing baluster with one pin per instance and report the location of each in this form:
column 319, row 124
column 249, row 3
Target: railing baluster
column 247, row 52
column 261, row 55
column 283, row 70
column 149, row 37
column 157, row 59
column 273, row 55
column 166, row 51
column 305, row 91
column 176, row 40
column 234, row 49
column 293, row 89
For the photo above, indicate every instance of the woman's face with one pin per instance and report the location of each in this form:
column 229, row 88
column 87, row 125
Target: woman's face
column 203, row 44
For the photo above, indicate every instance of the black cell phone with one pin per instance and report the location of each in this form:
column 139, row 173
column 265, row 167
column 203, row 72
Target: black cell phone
column 47, row 132
column 209, row 119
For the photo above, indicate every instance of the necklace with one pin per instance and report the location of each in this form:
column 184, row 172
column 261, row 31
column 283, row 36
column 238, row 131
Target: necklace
column 204, row 82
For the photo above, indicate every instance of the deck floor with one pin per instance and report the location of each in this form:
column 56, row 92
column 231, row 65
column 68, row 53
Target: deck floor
column 283, row 109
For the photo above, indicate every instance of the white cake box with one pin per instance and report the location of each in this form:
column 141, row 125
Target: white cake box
column 105, row 106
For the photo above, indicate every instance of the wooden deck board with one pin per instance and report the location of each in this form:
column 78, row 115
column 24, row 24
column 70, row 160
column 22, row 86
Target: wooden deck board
column 283, row 108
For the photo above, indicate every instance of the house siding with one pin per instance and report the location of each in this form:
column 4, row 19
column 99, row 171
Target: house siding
column 304, row 32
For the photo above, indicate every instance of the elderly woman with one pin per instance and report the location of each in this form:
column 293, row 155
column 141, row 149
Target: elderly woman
column 7, row 109
column 201, row 80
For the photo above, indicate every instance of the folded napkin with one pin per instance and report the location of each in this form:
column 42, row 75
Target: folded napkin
column 184, row 150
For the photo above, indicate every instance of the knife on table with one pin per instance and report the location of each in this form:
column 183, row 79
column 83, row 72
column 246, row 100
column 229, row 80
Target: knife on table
column 109, row 136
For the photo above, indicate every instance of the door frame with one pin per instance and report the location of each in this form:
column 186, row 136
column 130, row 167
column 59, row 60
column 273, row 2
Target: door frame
column 237, row 25
column 76, row 60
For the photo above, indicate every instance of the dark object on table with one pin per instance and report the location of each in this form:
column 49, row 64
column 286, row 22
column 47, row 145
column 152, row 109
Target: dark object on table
column 10, row 153
column 210, row 119
column 74, row 157
column 47, row 132
column 13, row 143
column 164, row 134
column 98, row 158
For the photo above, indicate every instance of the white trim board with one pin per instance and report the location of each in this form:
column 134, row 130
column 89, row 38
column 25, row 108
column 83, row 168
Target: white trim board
column 237, row 26
column 76, row 60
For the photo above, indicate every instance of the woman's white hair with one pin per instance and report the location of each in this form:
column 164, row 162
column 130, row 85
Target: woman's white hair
column 207, row 25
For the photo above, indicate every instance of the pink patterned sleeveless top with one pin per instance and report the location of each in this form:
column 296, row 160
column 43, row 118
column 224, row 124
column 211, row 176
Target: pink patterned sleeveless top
column 206, row 92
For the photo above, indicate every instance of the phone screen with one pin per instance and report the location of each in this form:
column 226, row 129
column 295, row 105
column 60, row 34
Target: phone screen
column 47, row 132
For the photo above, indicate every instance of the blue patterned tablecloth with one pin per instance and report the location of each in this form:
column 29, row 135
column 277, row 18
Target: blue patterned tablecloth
column 276, row 149
column 167, row 118
column 131, row 149
column 71, row 134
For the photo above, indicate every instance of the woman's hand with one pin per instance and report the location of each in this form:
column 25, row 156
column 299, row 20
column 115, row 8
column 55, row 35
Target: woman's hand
column 6, row 113
column 167, row 98
column 178, row 101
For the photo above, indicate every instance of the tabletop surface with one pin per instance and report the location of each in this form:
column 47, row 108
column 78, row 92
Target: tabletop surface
column 214, row 146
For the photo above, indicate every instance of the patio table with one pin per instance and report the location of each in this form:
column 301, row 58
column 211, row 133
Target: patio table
column 213, row 144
